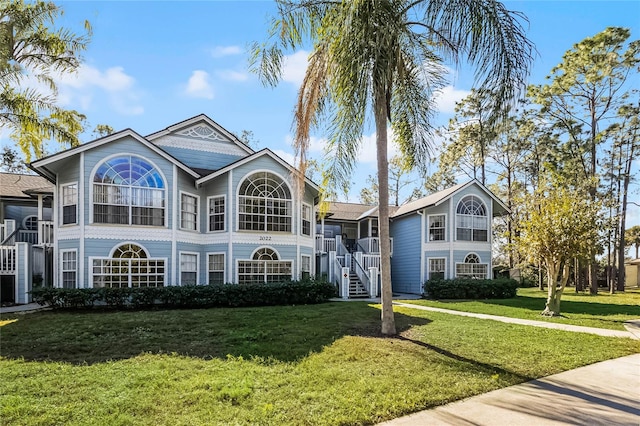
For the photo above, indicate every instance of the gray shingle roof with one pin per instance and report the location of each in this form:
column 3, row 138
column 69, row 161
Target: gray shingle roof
column 18, row 186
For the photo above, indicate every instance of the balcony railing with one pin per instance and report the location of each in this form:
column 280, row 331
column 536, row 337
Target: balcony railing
column 372, row 245
column 7, row 260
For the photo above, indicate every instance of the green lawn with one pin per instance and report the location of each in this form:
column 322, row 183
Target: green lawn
column 300, row 365
column 602, row 311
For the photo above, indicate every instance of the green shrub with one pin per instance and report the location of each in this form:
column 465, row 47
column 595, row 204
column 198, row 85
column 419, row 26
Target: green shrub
column 501, row 288
column 302, row 292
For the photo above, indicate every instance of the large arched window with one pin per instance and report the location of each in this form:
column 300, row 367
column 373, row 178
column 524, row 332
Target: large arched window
column 128, row 190
column 264, row 203
column 471, row 220
column 265, row 266
column 472, row 268
column 128, row 266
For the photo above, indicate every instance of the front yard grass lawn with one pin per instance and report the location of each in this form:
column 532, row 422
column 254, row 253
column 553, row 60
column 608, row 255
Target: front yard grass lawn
column 601, row 311
column 294, row 365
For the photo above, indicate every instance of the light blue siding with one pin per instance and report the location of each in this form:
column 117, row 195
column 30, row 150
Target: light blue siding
column 405, row 269
column 201, row 159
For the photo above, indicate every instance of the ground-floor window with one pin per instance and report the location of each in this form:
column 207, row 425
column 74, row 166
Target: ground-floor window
column 472, row 268
column 69, row 268
column 188, row 268
column 216, row 268
column 305, row 266
column 437, row 268
column 264, row 267
column 128, row 266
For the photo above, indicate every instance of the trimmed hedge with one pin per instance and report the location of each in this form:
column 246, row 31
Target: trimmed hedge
column 205, row 296
column 501, row 288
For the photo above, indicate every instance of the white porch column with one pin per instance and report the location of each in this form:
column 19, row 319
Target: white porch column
column 344, row 283
column 373, row 280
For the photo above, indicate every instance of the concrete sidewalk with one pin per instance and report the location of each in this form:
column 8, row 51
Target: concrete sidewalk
column 606, row 393
column 22, row 309
column 544, row 324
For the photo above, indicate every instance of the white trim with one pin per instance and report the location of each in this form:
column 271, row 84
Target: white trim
column 197, row 271
column 155, row 166
column 302, row 256
column 107, row 139
column 224, row 263
column 253, row 253
column 229, row 224
column 82, row 191
column 174, row 225
column 197, row 212
column 208, row 217
column 24, row 222
column 90, row 259
column 423, row 243
column 120, row 244
column 62, row 270
column 486, row 276
column 237, row 206
column 486, row 209
column 311, row 220
column 54, row 218
column 217, row 146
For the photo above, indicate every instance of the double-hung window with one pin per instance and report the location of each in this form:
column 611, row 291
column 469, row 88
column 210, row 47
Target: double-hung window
column 437, row 227
column 70, row 203
column 216, row 213
column 471, row 220
column 216, row 268
column 188, row 268
column 69, row 268
column 188, row 212
column 264, row 203
column 306, row 219
column 436, row 268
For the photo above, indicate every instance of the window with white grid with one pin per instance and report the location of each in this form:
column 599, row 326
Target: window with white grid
column 216, row 213
column 69, row 203
column 472, row 268
column 188, row 212
column 69, row 268
column 437, row 227
column 188, row 268
column 264, row 203
column 216, row 268
column 306, row 219
column 129, row 266
column 471, row 220
column 128, row 190
column 305, row 266
column 437, row 268
column 264, row 267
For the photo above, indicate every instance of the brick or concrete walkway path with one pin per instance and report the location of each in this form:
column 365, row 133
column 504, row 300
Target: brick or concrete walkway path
column 606, row 393
column 558, row 326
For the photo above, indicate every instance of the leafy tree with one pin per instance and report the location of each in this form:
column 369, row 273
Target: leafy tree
column 559, row 228
column 398, row 180
column 11, row 162
column 584, row 93
column 32, row 49
column 102, row 130
column 632, row 238
column 248, row 138
column 382, row 59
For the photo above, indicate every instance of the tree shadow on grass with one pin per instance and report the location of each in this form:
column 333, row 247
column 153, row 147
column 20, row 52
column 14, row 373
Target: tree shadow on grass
column 283, row 333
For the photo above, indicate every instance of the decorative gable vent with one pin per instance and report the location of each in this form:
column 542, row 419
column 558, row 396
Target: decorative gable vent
column 203, row 132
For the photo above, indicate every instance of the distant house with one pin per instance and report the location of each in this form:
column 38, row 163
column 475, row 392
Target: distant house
column 193, row 205
column 632, row 273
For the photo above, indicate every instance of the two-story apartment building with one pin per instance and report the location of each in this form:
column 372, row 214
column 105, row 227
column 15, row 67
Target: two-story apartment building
column 193, row 205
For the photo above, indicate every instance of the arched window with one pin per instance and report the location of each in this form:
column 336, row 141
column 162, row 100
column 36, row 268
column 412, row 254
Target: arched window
column 128, row 190
column 264, row 203
column 472, row 268
column 30, row 223
column 265, row 266
column 471, row 220
column 128, row 266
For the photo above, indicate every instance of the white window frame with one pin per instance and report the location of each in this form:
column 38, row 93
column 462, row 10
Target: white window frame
column 63, row 269
column 28, row 219
column 472, row 219
column 145, row 262
column 444, row 270
column 224, row 213
column 263, row 223
column 304, row 257
column 224, row 266
column 197, row 263
column 195, row 213
column 444, row 228
column 64, row 202
column 473, row 274
column 307, row 207
column 264, row 266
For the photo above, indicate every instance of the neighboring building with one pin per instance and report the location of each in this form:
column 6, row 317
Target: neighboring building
column 192, row 204
column 443, row 235
column 632, row 273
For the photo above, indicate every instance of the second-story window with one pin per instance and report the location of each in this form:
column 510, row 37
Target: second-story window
column 188, row 212
column 216, row 213
column 306, row 219
column 437, row 228
column 471, row 220
column 264, row 203
column 70, row 204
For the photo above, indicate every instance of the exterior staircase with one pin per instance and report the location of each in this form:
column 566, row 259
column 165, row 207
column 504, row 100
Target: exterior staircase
column 356, row 288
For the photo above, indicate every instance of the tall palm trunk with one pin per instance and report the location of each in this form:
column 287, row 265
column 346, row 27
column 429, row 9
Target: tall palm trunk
column 381, row 114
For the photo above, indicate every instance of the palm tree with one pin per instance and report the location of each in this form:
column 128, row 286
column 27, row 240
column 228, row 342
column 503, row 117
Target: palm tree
column 382, row 59
column 632, row 238
column 31, row 48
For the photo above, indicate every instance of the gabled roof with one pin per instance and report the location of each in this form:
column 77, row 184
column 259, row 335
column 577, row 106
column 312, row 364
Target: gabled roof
column 441, row 196
column 40, row 165
column 198, row 119
column 347, row 211
column 254, row 156
column 20, row 185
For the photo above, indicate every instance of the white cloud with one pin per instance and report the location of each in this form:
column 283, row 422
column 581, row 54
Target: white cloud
column 90, row 83
column 447, row 97
column 198, row 85
column 220, row 51
column 368, row 149
column 286, row 156
column 294, row 67
column 232, row 75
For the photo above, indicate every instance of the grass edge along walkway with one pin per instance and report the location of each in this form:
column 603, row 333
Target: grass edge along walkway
column 557, row 326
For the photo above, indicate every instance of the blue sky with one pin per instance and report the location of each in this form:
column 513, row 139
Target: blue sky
column 151, row 64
